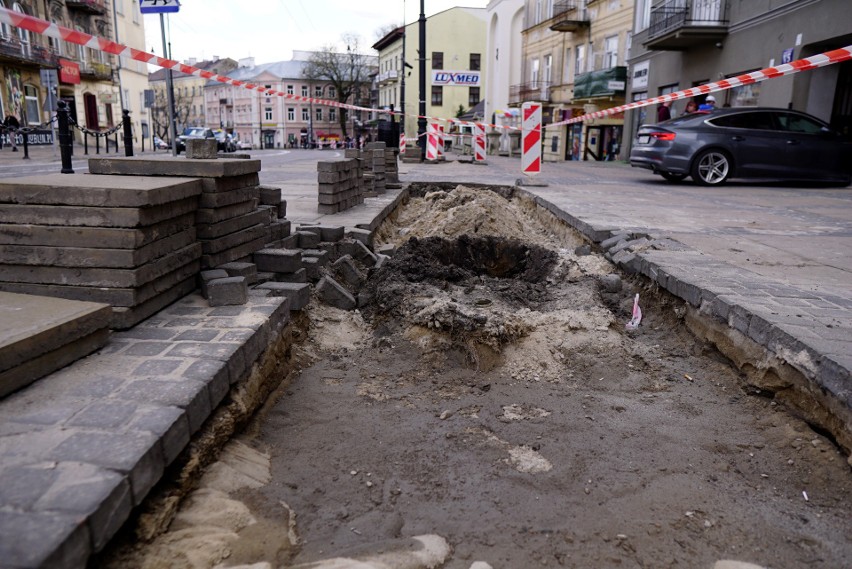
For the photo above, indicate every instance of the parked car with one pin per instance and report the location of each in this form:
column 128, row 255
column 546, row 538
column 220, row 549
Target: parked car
column 224, row 142
column 243, row 145
column 748, row 142
column 193, row 132
column 160, row 144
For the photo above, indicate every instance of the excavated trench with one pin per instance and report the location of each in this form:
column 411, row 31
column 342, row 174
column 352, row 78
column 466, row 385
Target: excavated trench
column 488, row 392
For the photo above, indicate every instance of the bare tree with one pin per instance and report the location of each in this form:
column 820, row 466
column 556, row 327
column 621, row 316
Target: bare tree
column 349, row 73
column 160, row 112
column 382, row 31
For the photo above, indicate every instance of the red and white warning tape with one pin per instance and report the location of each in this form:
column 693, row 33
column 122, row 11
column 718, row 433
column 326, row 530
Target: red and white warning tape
column 806, row 64
column 39, row 26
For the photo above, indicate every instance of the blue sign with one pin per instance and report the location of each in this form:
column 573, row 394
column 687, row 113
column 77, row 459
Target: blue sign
column 787, row 55
column 159, row 6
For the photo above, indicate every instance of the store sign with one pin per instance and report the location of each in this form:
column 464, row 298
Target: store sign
column 35, row 137
column 456, row 78
column 108, row 98
column 69, row 72
column 639, row 75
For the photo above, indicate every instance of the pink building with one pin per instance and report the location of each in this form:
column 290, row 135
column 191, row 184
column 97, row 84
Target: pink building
column 272, row 121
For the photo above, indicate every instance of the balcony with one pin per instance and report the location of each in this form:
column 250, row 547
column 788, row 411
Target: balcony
column 389, row 76
column 538, row 91
column 569, row 16
column 88, row 6
column 603, row 83
column 95, row 70
column 677, row 25
column 11, row 49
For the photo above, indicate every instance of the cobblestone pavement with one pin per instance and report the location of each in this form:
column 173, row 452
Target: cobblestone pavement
column 80, row 448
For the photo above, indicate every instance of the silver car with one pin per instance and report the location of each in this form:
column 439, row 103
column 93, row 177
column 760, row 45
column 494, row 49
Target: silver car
column 749, row 142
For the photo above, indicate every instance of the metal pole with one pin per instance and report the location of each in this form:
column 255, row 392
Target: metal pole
column 64, row 137
column 128, row 134
column 402, row 84
column 421, row 121
column 170, row 92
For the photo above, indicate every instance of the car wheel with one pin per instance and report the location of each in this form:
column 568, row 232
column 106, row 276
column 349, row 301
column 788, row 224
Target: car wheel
column 711, row 168
column 672, row 177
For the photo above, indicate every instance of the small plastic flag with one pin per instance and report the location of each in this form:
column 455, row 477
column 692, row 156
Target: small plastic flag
column 637, row 315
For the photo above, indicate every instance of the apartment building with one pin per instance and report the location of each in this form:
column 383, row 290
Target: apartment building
column 574, row 63
column 456, row 76
column 37, row 70
column 679, row 44
column 272, row 121
column 189, row 96
column 504, row 61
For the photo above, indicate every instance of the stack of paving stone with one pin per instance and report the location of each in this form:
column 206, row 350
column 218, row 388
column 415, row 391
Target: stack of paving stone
column 391, row 167
column 339, row 185
column 129, row 243
column 375, row 166
column 230, row 224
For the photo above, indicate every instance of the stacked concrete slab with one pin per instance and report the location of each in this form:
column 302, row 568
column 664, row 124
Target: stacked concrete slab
column 128, row 243
column 230, row 224
column 339, row 185
column 375, row 167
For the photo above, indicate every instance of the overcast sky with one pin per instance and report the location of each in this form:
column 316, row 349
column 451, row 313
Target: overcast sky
column 269, row 30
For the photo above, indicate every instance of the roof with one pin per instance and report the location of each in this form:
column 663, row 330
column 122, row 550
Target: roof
column 389, row 38
column 220, row 66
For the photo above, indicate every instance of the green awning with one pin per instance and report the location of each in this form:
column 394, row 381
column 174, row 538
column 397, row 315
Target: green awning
column 601, row 83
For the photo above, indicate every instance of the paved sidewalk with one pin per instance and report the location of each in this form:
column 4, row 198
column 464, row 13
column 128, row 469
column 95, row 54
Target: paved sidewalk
column 80, row 448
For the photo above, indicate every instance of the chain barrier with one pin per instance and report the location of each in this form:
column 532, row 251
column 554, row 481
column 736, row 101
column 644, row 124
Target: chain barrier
column 95, row 133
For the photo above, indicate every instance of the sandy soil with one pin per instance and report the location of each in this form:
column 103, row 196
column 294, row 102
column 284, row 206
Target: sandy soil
column 490, row 394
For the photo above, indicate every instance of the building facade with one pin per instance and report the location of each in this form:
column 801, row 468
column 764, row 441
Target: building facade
column 456, row 75
column 38, row 70
column 503, row 63
column 272, row 121
column 189, row 97
column 679, row 44
column 574, row 63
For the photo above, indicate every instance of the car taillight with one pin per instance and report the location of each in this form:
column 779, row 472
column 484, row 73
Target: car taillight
column 663, row 135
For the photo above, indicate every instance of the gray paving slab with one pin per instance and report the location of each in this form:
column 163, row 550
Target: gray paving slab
column 81, row 216
column 167, row 165
column 97, row 191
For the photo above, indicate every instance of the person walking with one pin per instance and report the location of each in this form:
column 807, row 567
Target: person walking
column 664, row 112
column 12, row 125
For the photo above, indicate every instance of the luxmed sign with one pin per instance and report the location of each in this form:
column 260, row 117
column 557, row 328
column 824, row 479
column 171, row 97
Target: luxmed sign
column 457, row 78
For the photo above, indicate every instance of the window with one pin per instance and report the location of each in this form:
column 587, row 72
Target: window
column 548, row 69
column 537, row 15
column 744, row 95
column 580, row 60
column 290, row 90
column 437, row 60
column 534, row 69
column 472, row 96
column 306, row 116
column 642, row 11
column 332, row 115
column 475, row 62
column 318, row 91
column 318, row 113
column 267, row 113
column 757, row 121
column 567, row 76
column 31, row 102
column 332, row 92
column 437, row 96
column 23, row 35
column 119, row 6
column 291, row 114
column 304, row 90
column 610, row 52
column 792, row 122
column 134, row 7
column 4, row 29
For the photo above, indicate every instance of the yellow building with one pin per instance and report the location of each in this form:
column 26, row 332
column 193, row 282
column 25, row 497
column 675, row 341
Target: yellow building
column 455, row 50
column 132, row 75
column 574, row 64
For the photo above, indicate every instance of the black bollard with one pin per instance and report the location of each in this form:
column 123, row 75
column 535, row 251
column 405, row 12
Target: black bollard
column 128, row 133
column 26, row 148
column 64, row 137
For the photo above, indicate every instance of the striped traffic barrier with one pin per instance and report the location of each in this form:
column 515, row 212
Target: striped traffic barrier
column 478, row 143
column 439, row 128
column 531, row 139
column 431, row 142
column 402, row 143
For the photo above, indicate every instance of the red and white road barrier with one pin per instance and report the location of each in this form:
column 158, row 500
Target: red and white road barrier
column 439, row 129
column 531, row 139
column 402, row 143
column 431, row 142
column 478, row 143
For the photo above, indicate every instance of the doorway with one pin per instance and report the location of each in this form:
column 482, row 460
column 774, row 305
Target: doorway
column 841, row 111
column 90, row 104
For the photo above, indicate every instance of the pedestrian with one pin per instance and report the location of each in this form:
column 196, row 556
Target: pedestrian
column 691, row 107
column 11, row 123
column 709, row 104
column 664, row 112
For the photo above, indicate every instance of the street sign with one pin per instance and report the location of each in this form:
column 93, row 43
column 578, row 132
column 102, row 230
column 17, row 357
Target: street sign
column 159, row 6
